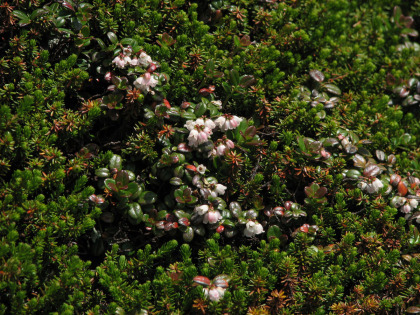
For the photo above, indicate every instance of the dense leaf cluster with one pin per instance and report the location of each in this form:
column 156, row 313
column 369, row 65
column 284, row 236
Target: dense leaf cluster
column 241, row 156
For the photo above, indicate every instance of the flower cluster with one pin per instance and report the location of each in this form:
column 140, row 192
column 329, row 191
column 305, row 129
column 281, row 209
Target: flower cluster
column 200, row 131
column 125, row 58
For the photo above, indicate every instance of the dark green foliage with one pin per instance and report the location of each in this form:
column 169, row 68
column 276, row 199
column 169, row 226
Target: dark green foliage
column 300, row 197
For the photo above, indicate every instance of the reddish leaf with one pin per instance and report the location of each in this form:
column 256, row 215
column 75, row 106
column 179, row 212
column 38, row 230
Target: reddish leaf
column 204, row 281
column 68, row 5
column 402, row 189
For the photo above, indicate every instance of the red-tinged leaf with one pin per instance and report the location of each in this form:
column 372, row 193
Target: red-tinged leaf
column 304, row 228
column 68, row 5
column 122, row 180
column 205, row 92
column 191, row 168
column 371, row 170
column 201, row 280
column 317, row 75
column 402, row 189
column 221, row 283
column 110, row 184
column 413, row 310
column 245, row 40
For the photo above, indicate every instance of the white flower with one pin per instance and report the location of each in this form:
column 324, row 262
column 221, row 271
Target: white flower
column 374, row 186
column 221, row 146
column 220, row 189
column 371, row 186
column 197, row 137
column 227, row 122
column 144, row 60
column 214, row 293
column 201, row 169
column 145, row 82
column 406, row 208
column 200, row 130
column 220, row 150
column 253, row 228
column 413, row 203
column 127, row 50
column 212, row 217
column 202, row 210
column 121, row 60
column 190, row 124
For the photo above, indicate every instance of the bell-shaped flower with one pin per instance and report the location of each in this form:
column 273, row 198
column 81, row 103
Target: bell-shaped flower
column 214, row 293
column 144, row 60
column 252, row 228
column 228, row 122
column 212, row 216
column 200, row 130
column 371, row 186
column 202, row 210
column 221, row 146
column 121, row 61
column 145, row 82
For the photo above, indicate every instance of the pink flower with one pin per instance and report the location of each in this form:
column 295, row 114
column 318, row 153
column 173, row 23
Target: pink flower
column 200, row 130
column 221, row 146
column 145, row 82
column 108, row 76
column 227, row 122
column 144, row 60
column 214, row 293
column 121, row 61
column 212, row 217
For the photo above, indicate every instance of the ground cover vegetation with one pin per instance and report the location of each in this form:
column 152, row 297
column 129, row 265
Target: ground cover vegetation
column 209, row 157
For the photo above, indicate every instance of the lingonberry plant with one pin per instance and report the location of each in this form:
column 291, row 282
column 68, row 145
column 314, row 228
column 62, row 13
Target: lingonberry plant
column 209, row 157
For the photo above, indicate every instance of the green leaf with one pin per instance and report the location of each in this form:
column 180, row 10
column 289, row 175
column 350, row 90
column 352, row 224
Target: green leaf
column 21, row 15
column 274, row 232
column 100, row 43
column 128, row 41
column 147, row 198
column 85, row 31
column 135, row 213
column 234, row 77
column 110, row 185
column 102, row 172
column 122, row 180
column 37, row 13
column 200, row 109
column 112, row 37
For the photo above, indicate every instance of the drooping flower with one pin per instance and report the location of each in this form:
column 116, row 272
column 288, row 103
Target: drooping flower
column 144, row 60
column 219, row 189
column 221, row 146
column 145, row 82
column 200, row 130
column 227, row 122
column 202, row 210
column 252, row 228
column 121, row 61
column 214, row 293
column 212, row 216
